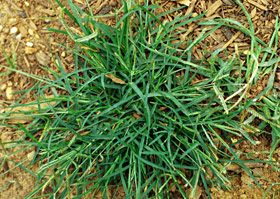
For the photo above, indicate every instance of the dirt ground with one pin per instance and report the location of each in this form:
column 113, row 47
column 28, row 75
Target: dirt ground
column 23, row 30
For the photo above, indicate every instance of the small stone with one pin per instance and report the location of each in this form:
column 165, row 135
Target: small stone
column 1, row 28
column 278, row 76
column 30, row 50
column 194, row 15
column 63, row 54
column 22, row 14
column 31, row 58
column 30, row 31
column 246, row 52
column 10, row 83
column 29, row 44
column 173, row 188
column 3, row 87
column 30, row 155
column 26, row 3
column 276, row 85
column 42, row 58
column 2, row 39
column 32, row 25
column 229, row 2
column 9, row 92
column 47, row 20
column 23, row 31
column 19, row 4
column 18, row 37
column 259, row 88
column 113, row 3
column 12, row 20
column 243, row 196
column 6, row 30
column 13, row 30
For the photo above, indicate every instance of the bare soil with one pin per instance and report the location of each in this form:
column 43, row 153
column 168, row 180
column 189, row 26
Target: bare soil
column 23, row 28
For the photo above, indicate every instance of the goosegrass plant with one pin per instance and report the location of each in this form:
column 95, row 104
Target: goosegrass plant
column 139, row 113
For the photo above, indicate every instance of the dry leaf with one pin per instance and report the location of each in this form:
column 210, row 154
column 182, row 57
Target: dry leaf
column 9, row 92
column 212, row 9
column 257, row 5
column 115, row 79
column 21, row 117
column 233, row 140
column 163, row 124
column 173, row 188
column 185, row 2
column 229, row 2
column 162, row 108
column 251, row 165
column 42, row 58
column 265, row 2
column 88, row 48
column 197, row 193
column 253, row 13
column 136, row 115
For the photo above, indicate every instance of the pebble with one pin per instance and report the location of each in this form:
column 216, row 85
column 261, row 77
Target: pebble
column 22, row 13
column 31, row 58
column 13, row 30
column 3, row 87
column 30, row 31
column 278, row 76
column 260, row 88
column 42, row 58
column 113, row 3
column 29, row 50
column 1, row 28
column 246, row 52
column 2, row 39
column 19, row 4
column 30, row 155
column 229, row 2
column 258, row 142
column 47, row 20
column 12, row 20
column 6, row 30
column 194, row 15
column 33, row 25
column 26, row 3
column 10, row 83
column 105, row 10
column 23, row 31
column 9, row 92
column 29, row 44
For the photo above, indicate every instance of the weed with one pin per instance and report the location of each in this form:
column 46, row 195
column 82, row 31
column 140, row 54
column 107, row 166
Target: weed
column 139, row 112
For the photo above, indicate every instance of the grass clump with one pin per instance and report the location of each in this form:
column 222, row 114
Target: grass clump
column 137, row 113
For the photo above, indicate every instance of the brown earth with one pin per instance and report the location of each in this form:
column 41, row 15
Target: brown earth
column 23, row 30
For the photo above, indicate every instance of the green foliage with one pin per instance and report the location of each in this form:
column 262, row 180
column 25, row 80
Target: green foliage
column 138, row 112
